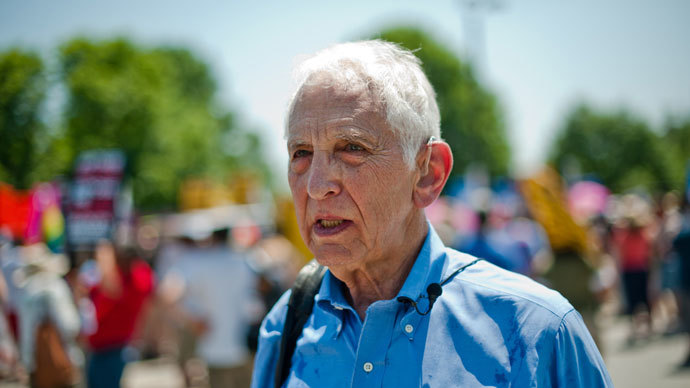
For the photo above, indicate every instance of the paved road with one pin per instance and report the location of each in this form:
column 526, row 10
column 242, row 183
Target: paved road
column 652, row 363
column 152, row 374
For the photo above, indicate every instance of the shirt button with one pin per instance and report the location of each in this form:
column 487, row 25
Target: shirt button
column 368, row 367
column 409, row 328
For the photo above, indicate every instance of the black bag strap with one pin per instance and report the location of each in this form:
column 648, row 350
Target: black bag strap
column 299, row 309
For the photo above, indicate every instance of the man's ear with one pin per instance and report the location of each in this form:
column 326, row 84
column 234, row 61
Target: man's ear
column 434, row 165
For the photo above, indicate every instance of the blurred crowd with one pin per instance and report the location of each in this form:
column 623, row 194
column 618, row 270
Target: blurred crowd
column 193, row 288
column 186, row 288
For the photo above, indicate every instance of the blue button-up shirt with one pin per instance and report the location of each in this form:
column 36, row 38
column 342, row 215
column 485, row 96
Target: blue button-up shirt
column 490, row 327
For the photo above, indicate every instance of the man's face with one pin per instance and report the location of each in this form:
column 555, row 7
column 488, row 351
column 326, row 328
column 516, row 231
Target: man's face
column 351, row 187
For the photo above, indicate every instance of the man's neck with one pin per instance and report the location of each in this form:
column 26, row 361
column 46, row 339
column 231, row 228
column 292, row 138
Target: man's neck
column 383, row 279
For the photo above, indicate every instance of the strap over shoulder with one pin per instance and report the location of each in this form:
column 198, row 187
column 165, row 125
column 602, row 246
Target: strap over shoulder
column 299, row 309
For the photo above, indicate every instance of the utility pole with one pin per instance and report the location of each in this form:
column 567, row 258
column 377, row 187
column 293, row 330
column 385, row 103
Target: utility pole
column 472, row 14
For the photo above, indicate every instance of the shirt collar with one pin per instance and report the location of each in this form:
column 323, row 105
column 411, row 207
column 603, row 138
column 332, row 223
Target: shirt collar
column 332, row 291
column 426, row 269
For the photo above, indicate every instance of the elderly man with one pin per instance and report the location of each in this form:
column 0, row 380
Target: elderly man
column 395, row 307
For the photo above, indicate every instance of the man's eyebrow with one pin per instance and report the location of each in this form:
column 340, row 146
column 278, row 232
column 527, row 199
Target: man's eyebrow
column 295, row 143
column 352, row 135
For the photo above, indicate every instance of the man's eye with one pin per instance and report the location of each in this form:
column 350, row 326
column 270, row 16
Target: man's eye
column 300, row 154
column 353, row 147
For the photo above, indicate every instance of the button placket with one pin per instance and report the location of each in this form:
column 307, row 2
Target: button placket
column 409, row 323
column 378, row 328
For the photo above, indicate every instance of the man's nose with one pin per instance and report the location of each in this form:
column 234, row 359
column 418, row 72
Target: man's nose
column 323, row 180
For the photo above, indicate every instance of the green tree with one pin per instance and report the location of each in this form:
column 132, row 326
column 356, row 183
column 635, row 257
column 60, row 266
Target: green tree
column 157, row 105
column 618, row 148
column 22, row 133
column 676, row 140
column 471, row 120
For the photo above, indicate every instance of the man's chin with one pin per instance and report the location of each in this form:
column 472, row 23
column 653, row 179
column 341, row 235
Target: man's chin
column 333, row 256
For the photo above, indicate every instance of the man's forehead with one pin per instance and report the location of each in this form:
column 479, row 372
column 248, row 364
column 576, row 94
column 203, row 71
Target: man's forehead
column 318, row 97
column 337, row 111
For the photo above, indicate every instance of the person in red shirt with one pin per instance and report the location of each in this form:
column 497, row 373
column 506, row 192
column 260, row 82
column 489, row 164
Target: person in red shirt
column 119, row 300
column 634, row 247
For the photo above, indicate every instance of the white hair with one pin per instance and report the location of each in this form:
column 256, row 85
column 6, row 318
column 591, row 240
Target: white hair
column 395, row 78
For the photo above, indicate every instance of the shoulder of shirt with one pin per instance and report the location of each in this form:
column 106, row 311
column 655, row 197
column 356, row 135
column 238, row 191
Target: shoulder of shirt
column 275, row 319
column 489, row 281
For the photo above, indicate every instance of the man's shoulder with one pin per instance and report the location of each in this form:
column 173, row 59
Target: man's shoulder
column 489, row 283
column 274, row 321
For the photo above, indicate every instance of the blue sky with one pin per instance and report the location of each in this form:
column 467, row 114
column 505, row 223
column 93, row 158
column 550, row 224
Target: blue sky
column 539, row 57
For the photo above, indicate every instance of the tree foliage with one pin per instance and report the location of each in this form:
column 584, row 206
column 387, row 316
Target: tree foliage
column 471, row 121
column 158, row 105
column 22, row 89
column 676, row 140
column 618, row 148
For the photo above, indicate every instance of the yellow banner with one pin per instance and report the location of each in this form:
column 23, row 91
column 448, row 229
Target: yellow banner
column 546, row 201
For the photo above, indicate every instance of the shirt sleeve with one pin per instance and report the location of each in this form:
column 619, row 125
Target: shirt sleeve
column 578, row 361
column 269, row 344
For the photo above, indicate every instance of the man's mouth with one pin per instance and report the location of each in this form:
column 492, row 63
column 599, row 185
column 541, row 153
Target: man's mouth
column 330, row 223
column 330, row 227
